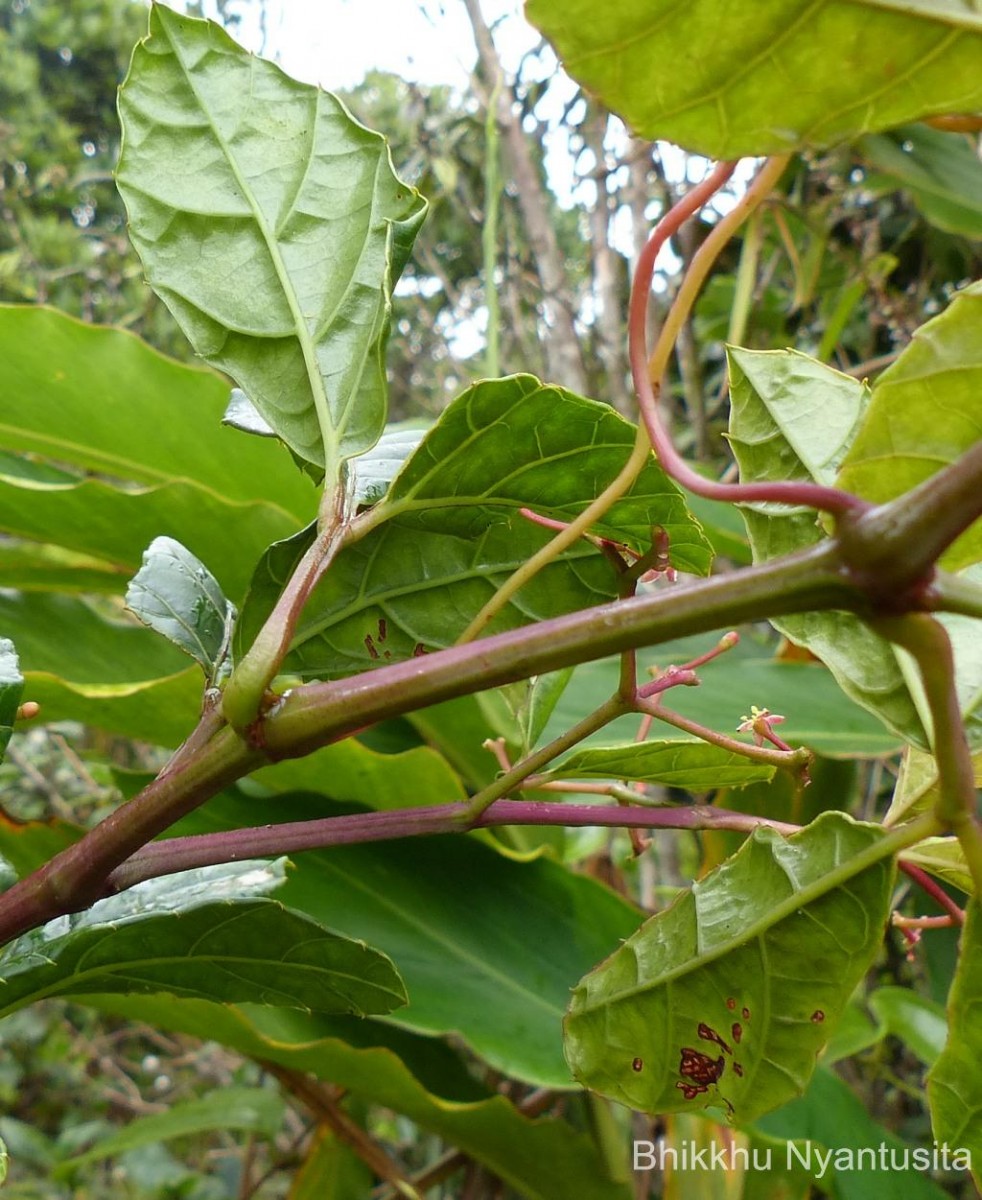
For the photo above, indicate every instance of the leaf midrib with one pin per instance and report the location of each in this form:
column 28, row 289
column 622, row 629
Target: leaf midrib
column 314, row 377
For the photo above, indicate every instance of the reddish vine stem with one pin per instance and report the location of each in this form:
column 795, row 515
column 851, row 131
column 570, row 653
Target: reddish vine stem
column 180, row 854
column 816, row 496
column 934, row 890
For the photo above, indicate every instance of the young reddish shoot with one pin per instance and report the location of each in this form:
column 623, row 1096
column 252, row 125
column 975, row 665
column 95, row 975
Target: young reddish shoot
column 934, row 890
column 685, row 675
column 647, row 377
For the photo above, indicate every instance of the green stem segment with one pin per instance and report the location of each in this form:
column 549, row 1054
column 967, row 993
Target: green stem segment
column 609, row 711
column 245, row 692
column 927, row 642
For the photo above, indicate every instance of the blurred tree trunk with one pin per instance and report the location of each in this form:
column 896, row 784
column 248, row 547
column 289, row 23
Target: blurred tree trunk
column 608, row 292
column 564, row 360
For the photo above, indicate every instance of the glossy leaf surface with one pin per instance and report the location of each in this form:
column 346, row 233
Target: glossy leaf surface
column 209, row 933
column 176, row 595
column 449, row 531
column 770, row 78
column 489, row 948
column 832, row 1126
column 102, row 400
column 82, row 665
column 726, row 998
column 273, row 230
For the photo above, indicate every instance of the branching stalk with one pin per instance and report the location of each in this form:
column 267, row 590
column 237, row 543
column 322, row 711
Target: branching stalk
column 927, row 642
column 669, row 224
column 246, row 690
column 647, row 374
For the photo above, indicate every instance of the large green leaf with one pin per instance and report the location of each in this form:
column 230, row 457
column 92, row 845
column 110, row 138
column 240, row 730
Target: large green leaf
column 816, row 712
column 176, row 595
column 727, row 81
column 791, row 418
column 449, row 531
column 727, row 997
column 926, row 411
column 11, row 689
column 542, row 1158
column 209, row 933
column 833, row 1133
column 116, row 522
column 691, row 764
column 253, row 1109
column 274, row 230
column 100, row 400
column 84, row 665
column 488, row 947
column 940, row 171
column 35, row 567
column 954, row 1084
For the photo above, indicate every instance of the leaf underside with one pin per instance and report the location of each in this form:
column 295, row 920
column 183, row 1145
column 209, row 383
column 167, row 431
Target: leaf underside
column 449, row 531
column 725, row 999
column 274, row 230
column 783, row 75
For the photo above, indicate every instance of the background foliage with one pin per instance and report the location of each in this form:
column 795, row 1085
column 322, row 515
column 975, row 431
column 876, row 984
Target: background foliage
column 211, row 1097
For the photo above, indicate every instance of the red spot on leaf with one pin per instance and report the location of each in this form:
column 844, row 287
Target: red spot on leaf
column 419, row 650
column 746, row 1014
column 637, row 1065
column 700, row 1069
column 738, row 1068
column 737, row 1032
column 709, row 1034
column 370, row 646
column 383, row 631
column 731, row 1004
column 818, row 1016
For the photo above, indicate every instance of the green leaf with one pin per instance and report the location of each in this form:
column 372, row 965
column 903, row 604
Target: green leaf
column 30, row 567
column 84, row 665
column 944, row 858
column 689, row 764
column 940, row 171
column 727, row 997
column 117, row 522
column 818, row 714
column 917, row 791
column 350, row 771
column 208, row 933
column 541, row 1159
column 451, row 909
column 331, row 1170
column 918, row 1022
column 251, row 1109
column 954, row 1086
column 177, row 595
column 729, row 94
column 11, row 689
column 925, row 412
column 100, row 400
column 791, row 418
column 274, row 230
column 834, row 1134
column 449, row 531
